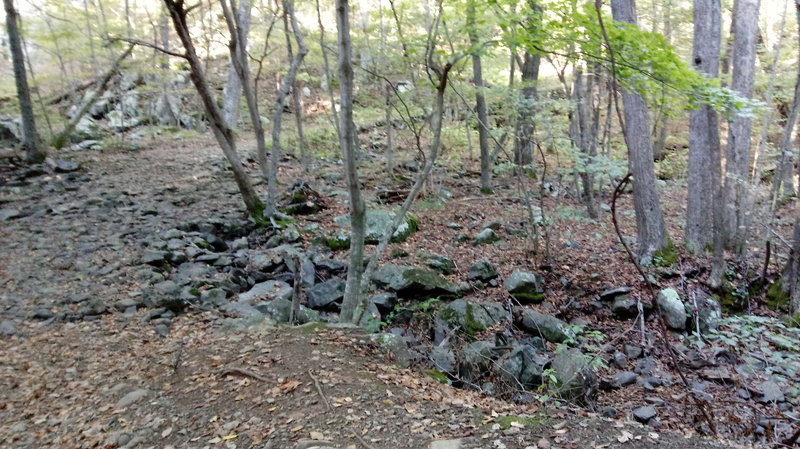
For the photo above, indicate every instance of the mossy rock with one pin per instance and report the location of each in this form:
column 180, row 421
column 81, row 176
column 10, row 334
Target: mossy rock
column 437, row 375
column 378, row 222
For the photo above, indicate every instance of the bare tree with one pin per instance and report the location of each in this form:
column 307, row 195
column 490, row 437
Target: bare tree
column 650, row 228
column 232, row 91
column 347, row 142
column 31, row 142
column 222, row 132
column 704, row 147
column 277, row 117
column 480, row 99
column 739, row 130
column 584, row 128
column 784, row 174
column 297, row 102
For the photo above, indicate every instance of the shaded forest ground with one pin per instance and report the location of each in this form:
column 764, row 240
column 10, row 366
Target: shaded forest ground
column 114, row 382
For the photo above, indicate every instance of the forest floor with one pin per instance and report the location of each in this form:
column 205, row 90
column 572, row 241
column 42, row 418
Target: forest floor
column 112, row 381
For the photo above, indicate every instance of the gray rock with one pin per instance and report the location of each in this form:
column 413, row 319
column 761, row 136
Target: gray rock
column 644, row 414
column 153, row 257
column 280, row 310
column 623, row 379
column 477, row 357
column 574, row 375
column 609, row 295
column 444, row 359
column 266, row 291
column 213, row 298
column 413, row 282
column 9, row 214
column 385, row 302
column 645, row 366
column 445, row 444
column 240, row 309
column 672, row 308
column 485, row 237
column 131, row 398
column 378, row 223
column 7, row 328
column 624, row 307
column 620, row 359
column 472, row 317
column 442, row 264
column 42, row 314
column 633, row 351
column 94, row 306
column 524, row 365
column 770, row 392
column 482, row 271
column 538, row 324
column 326, row 294
column 193, row 273
column 525, row 287
column 708, row 314
column 162, row 329
column 240, row 243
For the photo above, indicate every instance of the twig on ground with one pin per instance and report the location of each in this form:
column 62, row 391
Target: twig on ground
column 319, row 391
column 238, row 371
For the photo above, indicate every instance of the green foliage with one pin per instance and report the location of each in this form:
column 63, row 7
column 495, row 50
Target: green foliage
column 666, row 256
column 438, row 376
column 777, row 297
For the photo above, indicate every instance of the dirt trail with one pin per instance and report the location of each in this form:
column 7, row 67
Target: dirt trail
column 113, row 382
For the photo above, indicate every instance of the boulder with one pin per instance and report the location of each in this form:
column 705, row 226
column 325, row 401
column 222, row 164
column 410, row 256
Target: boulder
column 413, row 282
column 525, row 287
column 624, row 308
column 708, row 314
column 326, row 294
column 267, row 291
column 574, row 376
column 672, row 309
column 281, row 309
column 472, row 317
column 477, row 357
column 538, row 324
column 482, row 271
column 442, row 264
column 524, row 365
column 644, row 414
column 485, row 237
column 378, row 223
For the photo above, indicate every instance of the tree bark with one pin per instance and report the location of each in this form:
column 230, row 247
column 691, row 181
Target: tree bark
column 704, row 145
column 784, row 176
column 739, row 130
column 790, row 279
column 480, row 99
column 277, row 117
column 650, row 228
column 355, row 269
column 297, row 104
column 523, row 144
column 221, row 130
column 232, row 91
column 586, row 121
column 31, row 142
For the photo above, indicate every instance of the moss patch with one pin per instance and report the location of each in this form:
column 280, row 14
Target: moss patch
column 777, row 298
column 666, row 256
column 529, row 298
column 437, row 375
column 506, row 422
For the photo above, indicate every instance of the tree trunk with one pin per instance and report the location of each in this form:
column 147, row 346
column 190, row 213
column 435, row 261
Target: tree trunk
column 222, row 133
column 233, row 88
column 357, row 208
column 297, row 104
column 650, row 228
column 277, row 117
column 326, row 65
column 660, row 143
column 790, row 279
column 523, row 144
column 586, row 135
column 784, row 176
column 31, row 142
column 738, row 152
column 480, row 100
column 704, row 146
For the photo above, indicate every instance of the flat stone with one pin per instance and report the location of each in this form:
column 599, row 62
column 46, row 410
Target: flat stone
column 623, row 379
column 609, row 295
column 770, row 392
column 644, row 414
column 131, row 397
column 7, row 328
column 445, row 444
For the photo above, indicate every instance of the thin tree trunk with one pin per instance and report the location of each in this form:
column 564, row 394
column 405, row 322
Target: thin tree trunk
column 61, row 139
column 31, row 142
column 347, row 127
column 285, row 86
column 480, row 100
column 523, row 143
column 296, row 101
column 222, row 133
column 739, row 130
column 232, row 91
column 661, row 136
column 783, row 173
column 704, row 145
column 327, row 68
column 586, row 136
column 389, row 130
column 650, row 228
